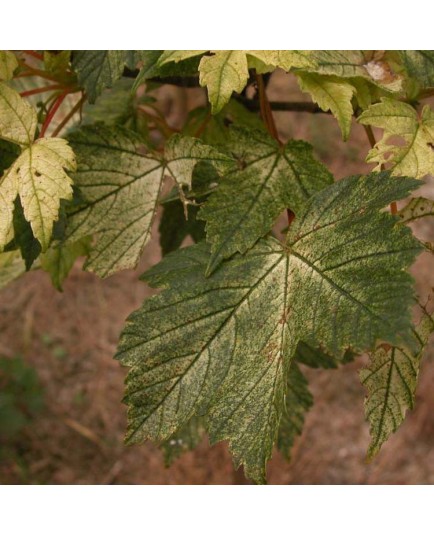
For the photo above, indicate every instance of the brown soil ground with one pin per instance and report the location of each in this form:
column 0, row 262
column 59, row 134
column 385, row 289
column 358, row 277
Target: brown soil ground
column 70, row 339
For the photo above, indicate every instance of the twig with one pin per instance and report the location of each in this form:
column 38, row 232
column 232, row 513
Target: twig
column 73, row 111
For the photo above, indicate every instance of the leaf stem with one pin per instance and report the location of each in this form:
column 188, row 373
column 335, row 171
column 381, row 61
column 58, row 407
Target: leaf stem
column 40, row 90
column 52, row 112
column 266, row 113
column 78, row 105
column 34, row 54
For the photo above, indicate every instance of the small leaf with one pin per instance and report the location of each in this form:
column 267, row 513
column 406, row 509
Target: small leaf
column 8, row 64
column 178, row 55
column 418, row 207
column 267, row 179
column 223, row 73
column 11, row 267
column 416, row 157
column 298, row 401
column 60, row 258
column 330, row 93
column 391, row 379
column 18, row 119
column 223, row 345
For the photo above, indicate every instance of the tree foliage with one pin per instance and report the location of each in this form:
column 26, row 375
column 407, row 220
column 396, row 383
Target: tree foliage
column 87, row 160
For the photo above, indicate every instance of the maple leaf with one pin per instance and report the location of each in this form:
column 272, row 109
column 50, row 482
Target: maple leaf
column 223, row 345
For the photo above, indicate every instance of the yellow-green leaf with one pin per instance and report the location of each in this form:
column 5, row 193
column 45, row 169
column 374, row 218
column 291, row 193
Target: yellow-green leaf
column 414, row 157
column 8, row 64
column 330, row 93
column 18, row 119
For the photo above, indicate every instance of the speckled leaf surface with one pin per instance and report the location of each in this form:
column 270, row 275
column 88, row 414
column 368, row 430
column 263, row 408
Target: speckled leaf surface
column 223, row 344
column 298, row 401
column 184, row 440
column 39, row 176
column 390, row 379
column 266, row 179
column 415, row 157
column 120, row 182
column 18, row 119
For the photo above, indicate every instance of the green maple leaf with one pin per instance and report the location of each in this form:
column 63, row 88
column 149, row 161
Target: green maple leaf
column 38, row 176
column 18, row 118
column 419, row 64
column 8, row 64
column 120, row 183
column 266, row 180
column 416, row 157
column 330, row 93
column 223, row 345
column 391, row 379
column 298, row 401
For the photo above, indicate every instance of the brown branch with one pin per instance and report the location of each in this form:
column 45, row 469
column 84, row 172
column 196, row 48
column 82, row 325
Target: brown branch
column 266, row 113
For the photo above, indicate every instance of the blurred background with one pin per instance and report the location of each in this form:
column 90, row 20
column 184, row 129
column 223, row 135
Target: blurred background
column 61, row 416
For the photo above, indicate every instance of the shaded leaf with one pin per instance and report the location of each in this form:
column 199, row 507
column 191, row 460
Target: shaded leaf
column 416, row 157
column 9, row 152
column 60, row 258
column 188, row 438
column 30, row 248
column 223, row 344
column 298, row 401
column 316, row 358
column 267, row 179
column 391, row 379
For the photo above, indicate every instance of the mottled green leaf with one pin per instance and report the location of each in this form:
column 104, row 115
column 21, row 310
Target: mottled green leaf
column 174, row 227
column 120, row 181
column 223, row 344
column 60, row 258
column 223, row 73
column 267, row 179
column 188, row 438
column 390, row 379
column 57, row 63
column 178, row 55
column 419, row 64
column 415, row 157
column 8, row 64
column 39, row 177
column 18, row 119
column 418, row 207
column 11, row 267
column 330, row 93
column 298, row 401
